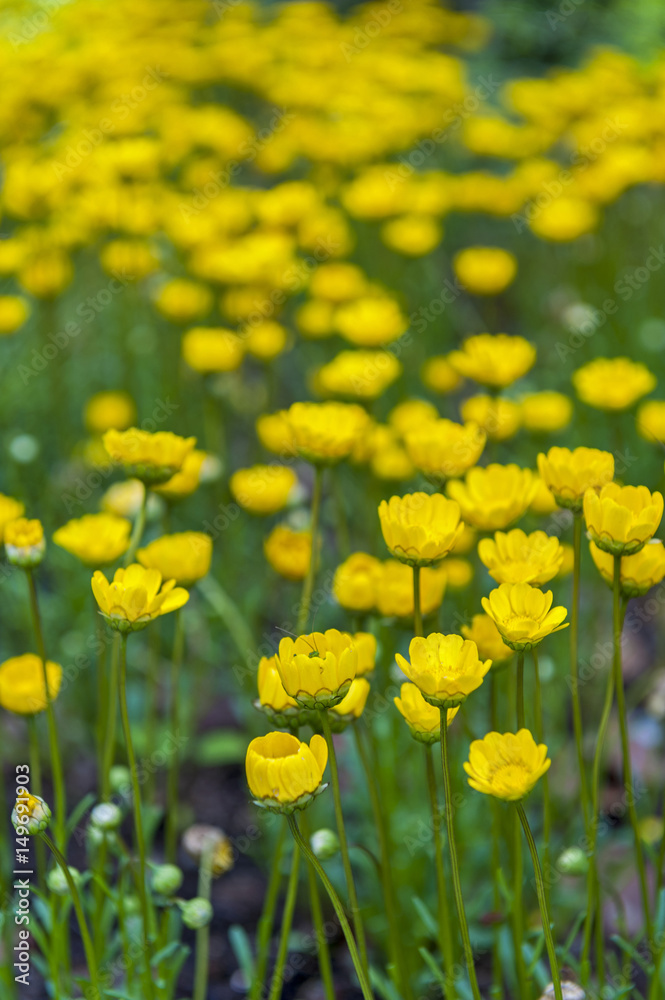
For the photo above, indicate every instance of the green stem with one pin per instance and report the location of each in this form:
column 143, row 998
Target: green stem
column 542, row 902
column 308, row 583
column 518, row 910
column 496, row 991
column 363, row 978
column 323, row 951
column 547, row 811
column 201, row 962
column 110, row 720
column 139, row 528
column 268, row 916
column 574, row 668
column 417, row 612
column 520, row 689
column 445, row 933
column 457, row 888
column 344, row 847
column 172, row 809
column 277, row 981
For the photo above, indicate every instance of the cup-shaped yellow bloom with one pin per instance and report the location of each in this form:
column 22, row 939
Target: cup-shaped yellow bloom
column 183, row 483
column 95, row 539
column 24, row 542
column 499, row 418
column 515, row 557
column 420, row 528
column 208, row 349
column 10, row 510
column 266, row 340
column 135, row 597
column 423, row 719
column 183, row 301
column 569, row 474
column 366, row 647
column 442, row 449
column 439, row 375
column 485, row 270
column 639, row 572
column 275, row 434
column 546, row 412
column 651, row 420
column 495, row 360
column 317, row 669
column 613, row 383
column 410, row 415
column 184, row 557
column 488, row 639
column 109, row 410
column 325, row 433
column 621, row 519
column 358, row 374
column 523, row 614
column 493, row 497
column 356, row 581
column 543, row 501
column 22, row 687
column 370, row 321
column 263, row 489
column 351, row 707
column 288, row 552
column 412, row 235
column 506, row 765
column 13, row 313
column 152, row 458
column 446, row 668
column 281, row 709
column 394, row 596
column 284, row 774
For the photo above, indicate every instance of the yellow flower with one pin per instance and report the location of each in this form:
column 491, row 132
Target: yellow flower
column 493, row 497
column 443, row 449
column 10, row 510
column 459, row 573
column 613, row 383
column 109, row 410
column 325, row 433
column 22, row 684
column 95, row 539
column 134, row 598
column 275, row 434
column 263, row 489
column 412, row 235
column 288, row 552
column 391, row 462
column 639, row 572
column 569, row 474
column 485, row 270
column 546, row 412
column 568, row 563
column 351, row 707
column 210, row 349
column 420, row 528
column 446, row 668
column 283, row 773
column 265, row 340
column 485, row 634
column 564, row 219
column 499, row 418
column 124, row 499
column 365, row 644
column 439, row 375
column 523, row 614
column 184, row 557
column 651, row 420
column 315, row 319
column 370, row 322
column 506, row 765
column 543, row 500
column 281, row 709
column 182, row 300
column 358, row 374
column 394, row 597
column 356, row 580
column 152, row 458
column 338, row 281
column 317, row 669
column 30, row 814
column 24, row 542
column 423, row 719
column 128, row 256
column 410, row 415
column 516, row 557
column 13, row 313
column 496, row 360
column 183, row 483
column 46, row 273
column 621, row 519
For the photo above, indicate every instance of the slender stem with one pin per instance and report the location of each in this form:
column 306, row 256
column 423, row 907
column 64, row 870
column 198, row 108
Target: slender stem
column 323, row 951
column 520, row 689
column 110, row 720
column 308, row 584
column 139, row 528
column 363, row 978
column 496, row 991
column 277, row 981
column 172, row 809
column 457, row 888
column 201, row 962
column 547, row 811
column 574, row 669
column 417, row 612
column 445, row 933
column 138, row 821
column 268, row 916
column 542, row 902
column 625, row 746
column 343, row 844
column 518, row 910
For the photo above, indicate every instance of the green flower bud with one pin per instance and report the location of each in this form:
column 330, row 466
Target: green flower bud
column 57, row 882
column 324, row 843
column 167, row 879
column 119, row 778
column 573, row 861
column 106, row 816
column 30, row 815
column 196, row 913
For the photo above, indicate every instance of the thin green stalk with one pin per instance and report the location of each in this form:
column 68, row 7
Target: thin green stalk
column 520, row 689
column 308, row 584
column 277, row 981
column 268, row 916
column 201, row 961
column 322, row 949
column 110, row 720
column 417, row 612
column 172, row 809
column 574, row 669
column 138, row 821
column 363, row 978
column 457, row 888
column 344, row 847
column 547, row 810
column 496, row 991
column 518, row 910
column 445, row 932
column 542, row 902
column 139, row 528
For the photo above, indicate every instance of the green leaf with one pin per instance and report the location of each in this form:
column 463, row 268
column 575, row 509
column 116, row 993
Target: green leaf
column 220, row 746
column 425, row 915
column 242, row 950
column 432, row 965
column 79, row 812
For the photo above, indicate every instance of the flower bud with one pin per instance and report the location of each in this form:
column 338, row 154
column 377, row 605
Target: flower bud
column 573, row 861
column 30, row 815
column 106, row 816
column 167, row 879
column 119, row 778
column 324, row 843
column 196, row 913
column 57, row 882
column 24, row 542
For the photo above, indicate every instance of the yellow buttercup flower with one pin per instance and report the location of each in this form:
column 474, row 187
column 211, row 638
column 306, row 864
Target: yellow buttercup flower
column 459, row 573
column 95, row 539
column 500, row 418
column 412, row 235
column 283, row 773
column 651, row 420
column 370, row 322
column 14, row 311
column 24, row 542
column 639, row 572
column 493, row 497
column 183, row 483
column 152, row 458
column 358, row 374
column 394, row 594
column 351, row 707
column 543, row 500
column 183, row 301
column 439, row 375
column 275, row 434
column 356, row 580
column 325, row 433
column 516, row 557
column 446, row 668
column 263, row 489
column 488, row 639
column 442, row 449
column 495, row 360
column 564, row 219
column 10, row 510
column 546, row 412
column 281, row 709
column 265, row 340
column 506, row 765
column 485, row 270
column 211, row 349
column 109, row 410
column 317, row 669
column 613, row 383
column 133, row 598
column 366, row 646
column 423, row 719
column 288, row 552
column 621, row 519
column 410, row 415
column 338, row 281
column 420, row 528
column 184, row 557
column 314, row 319
column 22, row 687
column 523, row 614
column 124, row 499
column 569, row 474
